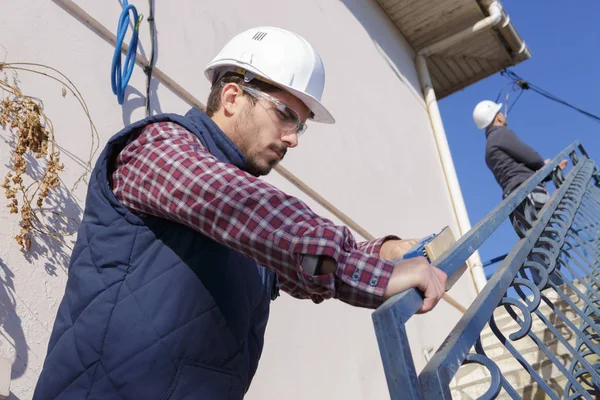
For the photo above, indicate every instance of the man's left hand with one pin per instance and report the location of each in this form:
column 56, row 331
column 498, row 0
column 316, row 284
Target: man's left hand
column 395, row 249
column 563, row 164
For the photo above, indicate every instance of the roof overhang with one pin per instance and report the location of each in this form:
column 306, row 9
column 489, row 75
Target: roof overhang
column 423, row 23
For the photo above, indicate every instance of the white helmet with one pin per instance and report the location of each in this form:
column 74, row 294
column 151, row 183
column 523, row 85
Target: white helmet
column 280, row 57
column 485, row 112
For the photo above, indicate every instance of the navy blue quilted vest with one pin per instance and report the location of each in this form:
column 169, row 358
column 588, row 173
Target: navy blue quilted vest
column 153, row 309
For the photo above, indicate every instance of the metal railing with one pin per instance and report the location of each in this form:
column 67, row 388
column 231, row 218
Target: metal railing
column 551, row 278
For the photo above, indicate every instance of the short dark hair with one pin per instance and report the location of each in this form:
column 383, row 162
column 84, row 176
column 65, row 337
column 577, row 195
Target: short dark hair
column 214, row 98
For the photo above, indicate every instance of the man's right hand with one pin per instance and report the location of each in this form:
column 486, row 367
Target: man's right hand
column 418, row 273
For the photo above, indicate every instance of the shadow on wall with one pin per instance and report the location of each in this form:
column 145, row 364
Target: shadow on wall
column 134, row 99
column 53, row 254
column 11, row 323
column 386, row 40
column 60, row 215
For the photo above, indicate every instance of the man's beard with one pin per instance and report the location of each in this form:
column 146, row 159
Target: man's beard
column 245, row 130
column 252, row 164
column 257, row 170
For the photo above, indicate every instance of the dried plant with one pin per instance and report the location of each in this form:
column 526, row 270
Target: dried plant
column 34, row 134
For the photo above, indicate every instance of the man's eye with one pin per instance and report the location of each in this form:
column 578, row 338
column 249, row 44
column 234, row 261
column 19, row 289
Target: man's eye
column 282, row 116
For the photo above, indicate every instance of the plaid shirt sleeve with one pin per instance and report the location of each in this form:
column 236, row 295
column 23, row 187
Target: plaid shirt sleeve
column 373, row 247
column 166, row 172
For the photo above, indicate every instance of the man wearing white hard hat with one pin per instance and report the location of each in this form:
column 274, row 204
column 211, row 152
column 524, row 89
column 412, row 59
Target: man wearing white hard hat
column 511, row 161
column 183, row 247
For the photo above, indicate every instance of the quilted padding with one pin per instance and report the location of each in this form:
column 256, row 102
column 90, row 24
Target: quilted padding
column 153, row 309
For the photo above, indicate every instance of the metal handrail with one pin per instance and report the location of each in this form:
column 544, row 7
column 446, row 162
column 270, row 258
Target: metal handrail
column 565, row 203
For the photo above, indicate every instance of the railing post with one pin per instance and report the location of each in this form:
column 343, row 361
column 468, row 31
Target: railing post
column 390, row 328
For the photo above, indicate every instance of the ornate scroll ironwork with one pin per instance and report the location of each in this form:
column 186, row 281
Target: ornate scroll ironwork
column 547, row 290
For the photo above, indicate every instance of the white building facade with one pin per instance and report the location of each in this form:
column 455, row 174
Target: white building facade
column 379, row 164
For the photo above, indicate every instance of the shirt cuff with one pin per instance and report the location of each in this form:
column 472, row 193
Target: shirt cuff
column 373, row 247
column 363, row 280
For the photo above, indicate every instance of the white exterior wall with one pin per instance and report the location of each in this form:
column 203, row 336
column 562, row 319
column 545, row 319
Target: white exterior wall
column 378, row 164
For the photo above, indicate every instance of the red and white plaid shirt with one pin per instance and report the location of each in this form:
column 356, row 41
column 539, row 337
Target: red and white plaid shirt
column 165, row 171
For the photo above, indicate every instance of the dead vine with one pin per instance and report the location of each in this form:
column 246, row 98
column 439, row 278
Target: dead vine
column 34, row 133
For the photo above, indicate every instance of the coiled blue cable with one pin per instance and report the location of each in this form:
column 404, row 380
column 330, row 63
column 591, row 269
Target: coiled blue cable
column 120, row 75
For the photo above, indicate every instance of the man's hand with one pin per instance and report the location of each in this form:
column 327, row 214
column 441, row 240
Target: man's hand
column 413, row 273
column 418, row 273
column 562, row 164
column 394, row 249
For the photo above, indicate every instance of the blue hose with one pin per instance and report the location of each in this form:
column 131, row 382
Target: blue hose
column 120, row 76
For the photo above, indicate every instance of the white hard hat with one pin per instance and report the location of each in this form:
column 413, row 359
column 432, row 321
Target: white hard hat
column 485, row 112
column 280, row 57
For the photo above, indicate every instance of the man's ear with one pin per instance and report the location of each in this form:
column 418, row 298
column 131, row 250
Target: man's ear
column 230, row 98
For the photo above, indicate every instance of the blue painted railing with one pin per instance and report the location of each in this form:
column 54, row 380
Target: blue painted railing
column 557, row 258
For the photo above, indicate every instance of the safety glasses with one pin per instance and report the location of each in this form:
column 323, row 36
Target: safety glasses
column 286, row 117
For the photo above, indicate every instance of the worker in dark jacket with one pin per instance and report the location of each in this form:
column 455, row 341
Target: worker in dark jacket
column 182, row 247
column 511, row 161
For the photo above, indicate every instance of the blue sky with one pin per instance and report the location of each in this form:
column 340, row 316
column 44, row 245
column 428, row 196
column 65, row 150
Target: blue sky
column 565, row 41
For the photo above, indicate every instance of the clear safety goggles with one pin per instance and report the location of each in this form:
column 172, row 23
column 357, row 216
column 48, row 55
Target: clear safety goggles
column 287, row 117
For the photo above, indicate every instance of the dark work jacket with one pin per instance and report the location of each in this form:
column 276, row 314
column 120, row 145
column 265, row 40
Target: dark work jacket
column 152, row 308
column 511, row 161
